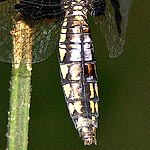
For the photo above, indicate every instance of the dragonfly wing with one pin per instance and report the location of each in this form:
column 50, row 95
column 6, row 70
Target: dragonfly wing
column 44, row 40
column 6, row 26
column 113, row 25
column 45, row 33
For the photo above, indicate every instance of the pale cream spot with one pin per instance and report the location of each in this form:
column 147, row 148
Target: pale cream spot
column 73, row 3
column 62, row 46
column 79, row 18
column 78, row 1
column 87, row 38
column 16, row 66
column 76, row 90
column 78, row 106
column 62, row 53
column 79, row 23
column 62, row 38
column 91, row 90
column 64, row 23
column 29, row 67
column 81, row 122
column 76, row 30
column 71, row 108
column 79, row 12
column 93, row 119
column 75, row 23
column 64, row 70
column 92, row 106
column 75, row 72
column 85, row 129
column 65, row 6
column 76, row 38
column 84, row 122
column 78, row 7
column 75, row 55
column 67, row 89
column 63, row 30
column 75, row 46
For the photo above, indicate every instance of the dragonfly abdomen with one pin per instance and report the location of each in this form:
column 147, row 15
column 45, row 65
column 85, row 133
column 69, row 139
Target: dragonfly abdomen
column 78, row 71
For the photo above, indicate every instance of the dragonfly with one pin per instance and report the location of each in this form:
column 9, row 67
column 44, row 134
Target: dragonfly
column 65, row 23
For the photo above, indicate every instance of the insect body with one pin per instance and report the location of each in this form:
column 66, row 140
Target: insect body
column 65, row 22
column 78, row 71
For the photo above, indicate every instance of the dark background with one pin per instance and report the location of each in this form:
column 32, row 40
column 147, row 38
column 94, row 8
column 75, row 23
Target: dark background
column 124, row 82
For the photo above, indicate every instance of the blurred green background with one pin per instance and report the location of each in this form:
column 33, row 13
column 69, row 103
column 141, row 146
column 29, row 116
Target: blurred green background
column 124, row 82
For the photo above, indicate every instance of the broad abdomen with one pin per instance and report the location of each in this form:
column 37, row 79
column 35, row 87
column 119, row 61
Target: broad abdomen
column 78, row 73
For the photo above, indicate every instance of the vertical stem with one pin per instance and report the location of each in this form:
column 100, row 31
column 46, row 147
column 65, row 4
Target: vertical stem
column 19, row 109
column 20, row 87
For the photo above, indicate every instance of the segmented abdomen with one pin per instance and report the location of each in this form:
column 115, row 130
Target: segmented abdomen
column 78, row 73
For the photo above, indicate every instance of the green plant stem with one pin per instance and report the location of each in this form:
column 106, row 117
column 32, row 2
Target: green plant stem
column 19, row 108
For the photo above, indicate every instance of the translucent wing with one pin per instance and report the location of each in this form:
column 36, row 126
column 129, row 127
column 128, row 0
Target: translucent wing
column 113, row 24
column 35, row 17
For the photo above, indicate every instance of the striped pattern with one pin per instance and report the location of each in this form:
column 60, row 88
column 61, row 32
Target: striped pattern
column 78, row 71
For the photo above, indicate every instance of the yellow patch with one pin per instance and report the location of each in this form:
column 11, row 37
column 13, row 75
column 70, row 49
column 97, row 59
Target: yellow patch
column 96, row 89
column 92, row 106
column 67, row 89
column 91, row 90
column 96, row 107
